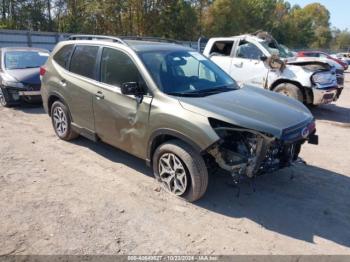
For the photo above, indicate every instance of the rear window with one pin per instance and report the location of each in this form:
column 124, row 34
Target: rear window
column 62, row 56
column 24, row 59
column 83, row 60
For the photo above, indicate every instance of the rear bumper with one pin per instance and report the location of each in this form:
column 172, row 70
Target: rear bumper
column 325, row 96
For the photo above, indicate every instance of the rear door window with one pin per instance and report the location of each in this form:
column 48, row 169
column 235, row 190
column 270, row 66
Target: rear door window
column 83, row 61
column 222, row 48
column 62, row 56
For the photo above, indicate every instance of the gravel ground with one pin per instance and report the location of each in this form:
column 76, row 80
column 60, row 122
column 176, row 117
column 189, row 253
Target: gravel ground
column 89, row 198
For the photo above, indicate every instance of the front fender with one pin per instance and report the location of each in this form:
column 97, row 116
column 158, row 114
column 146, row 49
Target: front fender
column 169, row 118
column 152, row 143
column 291, row 73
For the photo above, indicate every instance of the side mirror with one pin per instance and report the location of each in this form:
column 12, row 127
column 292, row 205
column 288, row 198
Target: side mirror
column 274, row 62
column 263, row 58
column 132, row 88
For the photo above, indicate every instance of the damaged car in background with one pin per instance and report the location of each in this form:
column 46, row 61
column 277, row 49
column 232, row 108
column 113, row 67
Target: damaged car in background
column 174, row 108
column 257, row 59
column 19, row 74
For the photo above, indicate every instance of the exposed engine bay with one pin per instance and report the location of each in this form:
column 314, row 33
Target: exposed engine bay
column 245, row 152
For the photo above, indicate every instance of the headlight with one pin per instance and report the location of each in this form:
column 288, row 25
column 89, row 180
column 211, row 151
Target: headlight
column 324, row 78
column 12, row 84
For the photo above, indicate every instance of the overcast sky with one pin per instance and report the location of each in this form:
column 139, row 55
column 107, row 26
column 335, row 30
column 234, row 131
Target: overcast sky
column 339, row 9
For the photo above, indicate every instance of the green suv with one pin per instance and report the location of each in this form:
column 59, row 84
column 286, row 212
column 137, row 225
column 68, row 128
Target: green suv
column 173, row 107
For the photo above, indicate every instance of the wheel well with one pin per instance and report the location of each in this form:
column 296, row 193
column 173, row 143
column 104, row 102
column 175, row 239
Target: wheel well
column 157, row 141
column 52, row 99
column 162, row 138
column 281, row 81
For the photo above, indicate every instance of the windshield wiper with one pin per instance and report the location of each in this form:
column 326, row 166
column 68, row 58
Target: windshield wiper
column 190, row 94
column 203, row 92
column 26, row 67
column 30, row 67
column 214, row 90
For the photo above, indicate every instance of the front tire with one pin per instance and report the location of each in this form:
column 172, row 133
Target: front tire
column 61, row 121
column 181, row 170
column 290, row 90
column 4, row 98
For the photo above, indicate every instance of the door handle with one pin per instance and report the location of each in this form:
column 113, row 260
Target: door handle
column 99, row 95
column 63, row 82
column 239, row 64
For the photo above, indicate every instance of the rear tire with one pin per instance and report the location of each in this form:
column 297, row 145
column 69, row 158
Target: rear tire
column 181, row 170
column 290, row 90
column 4, row 97
column 61, row 121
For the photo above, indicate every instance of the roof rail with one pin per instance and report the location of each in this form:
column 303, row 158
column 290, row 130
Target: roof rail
column 121, row 39
column 150, row 38
column 96, row 37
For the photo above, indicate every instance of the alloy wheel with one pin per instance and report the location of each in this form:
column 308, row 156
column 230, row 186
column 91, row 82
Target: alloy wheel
column 172, row 173
column 60, row 121
column 285, row 93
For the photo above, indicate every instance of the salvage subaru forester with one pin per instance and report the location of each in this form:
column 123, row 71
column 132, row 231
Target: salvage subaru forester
column 173, row 107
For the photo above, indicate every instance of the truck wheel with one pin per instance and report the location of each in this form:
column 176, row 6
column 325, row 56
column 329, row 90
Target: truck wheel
column 181, row 170
column 61, row 121
column 4, row 98
column 290, row 90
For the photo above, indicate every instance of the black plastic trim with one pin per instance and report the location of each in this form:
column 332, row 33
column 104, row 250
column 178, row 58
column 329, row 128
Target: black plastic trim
column 170, row 132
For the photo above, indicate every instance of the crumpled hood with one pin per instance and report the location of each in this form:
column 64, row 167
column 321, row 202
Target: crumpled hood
column 323, row 60
column 26, row 76
column 302, row 61
column 252, row 108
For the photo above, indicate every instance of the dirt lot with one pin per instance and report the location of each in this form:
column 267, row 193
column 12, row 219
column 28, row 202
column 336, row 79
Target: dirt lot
column 87, row 198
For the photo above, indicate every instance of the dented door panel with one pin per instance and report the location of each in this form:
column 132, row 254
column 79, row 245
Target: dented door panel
column 121, row 120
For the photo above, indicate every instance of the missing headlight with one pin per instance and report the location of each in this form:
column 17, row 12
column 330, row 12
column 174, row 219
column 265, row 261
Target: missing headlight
column 248, row 152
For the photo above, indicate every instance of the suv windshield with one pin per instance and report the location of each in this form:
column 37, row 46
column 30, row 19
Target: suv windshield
column 24, row 59
column 186, row 73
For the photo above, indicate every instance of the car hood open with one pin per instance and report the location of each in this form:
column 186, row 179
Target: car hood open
column 252, row 108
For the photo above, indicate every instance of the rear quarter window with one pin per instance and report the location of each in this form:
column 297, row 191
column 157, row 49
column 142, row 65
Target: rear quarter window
column 62, row 56
column 83, row 61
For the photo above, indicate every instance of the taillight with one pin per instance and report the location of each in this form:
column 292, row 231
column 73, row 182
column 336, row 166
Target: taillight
column 42, row 71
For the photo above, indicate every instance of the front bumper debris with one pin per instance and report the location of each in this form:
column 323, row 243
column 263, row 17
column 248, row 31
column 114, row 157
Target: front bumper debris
column 245, row 152
column 325, row 96
column 29, row 93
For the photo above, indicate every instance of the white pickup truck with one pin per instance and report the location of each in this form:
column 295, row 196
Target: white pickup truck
column 262, row 62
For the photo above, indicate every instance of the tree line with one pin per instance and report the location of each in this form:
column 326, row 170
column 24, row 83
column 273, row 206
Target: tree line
column 296, row 27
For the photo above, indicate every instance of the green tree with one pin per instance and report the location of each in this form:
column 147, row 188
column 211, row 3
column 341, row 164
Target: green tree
column 177, row 20
column 319, row 17
column 180, row 19
column 341, row 40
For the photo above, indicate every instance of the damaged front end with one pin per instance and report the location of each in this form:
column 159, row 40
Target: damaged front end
column 245, row 152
